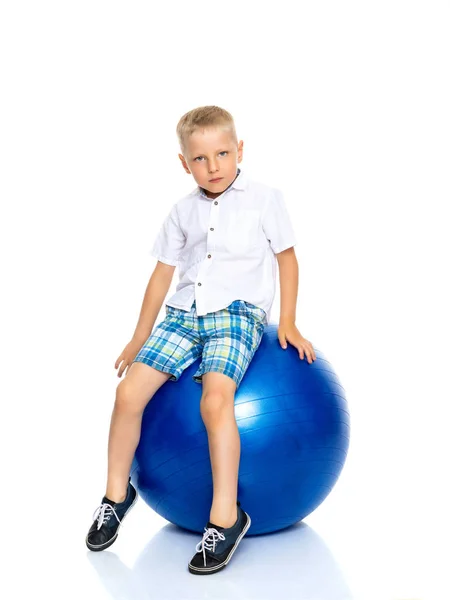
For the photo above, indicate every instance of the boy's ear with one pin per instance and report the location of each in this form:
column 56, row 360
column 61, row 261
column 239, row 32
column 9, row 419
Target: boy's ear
column 240, row 150
column 183, row 162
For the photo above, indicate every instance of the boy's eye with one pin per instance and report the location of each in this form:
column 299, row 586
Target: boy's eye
column 223, row 152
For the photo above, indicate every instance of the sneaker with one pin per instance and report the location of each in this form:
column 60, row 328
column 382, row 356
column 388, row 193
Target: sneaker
column 108, row 517
column 218, row 545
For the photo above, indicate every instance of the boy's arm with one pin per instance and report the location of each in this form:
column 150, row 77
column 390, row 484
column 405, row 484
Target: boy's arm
column 154, row 296
column 287, row 330
column 288, row 267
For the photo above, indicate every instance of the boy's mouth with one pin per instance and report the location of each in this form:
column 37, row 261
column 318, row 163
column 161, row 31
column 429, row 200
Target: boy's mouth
column 215, row 180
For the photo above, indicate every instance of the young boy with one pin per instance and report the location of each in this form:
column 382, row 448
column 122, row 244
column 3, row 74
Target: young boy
column 227, row 237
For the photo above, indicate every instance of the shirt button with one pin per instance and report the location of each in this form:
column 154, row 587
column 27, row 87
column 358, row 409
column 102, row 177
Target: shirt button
column 209, row 255
column 199, row 284
column 216, row 202
column 211, row 228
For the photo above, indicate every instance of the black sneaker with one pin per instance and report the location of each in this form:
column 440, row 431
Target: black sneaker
column 218, row 545
column 108, row 517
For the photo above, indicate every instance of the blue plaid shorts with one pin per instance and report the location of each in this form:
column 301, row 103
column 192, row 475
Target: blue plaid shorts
column 226, row 340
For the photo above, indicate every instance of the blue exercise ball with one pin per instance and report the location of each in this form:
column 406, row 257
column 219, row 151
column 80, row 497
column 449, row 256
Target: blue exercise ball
column 294, row 426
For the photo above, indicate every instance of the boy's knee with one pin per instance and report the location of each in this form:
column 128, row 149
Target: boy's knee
column 126, row 400
column 213, row 405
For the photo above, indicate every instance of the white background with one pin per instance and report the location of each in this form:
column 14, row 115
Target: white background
column 343, row 106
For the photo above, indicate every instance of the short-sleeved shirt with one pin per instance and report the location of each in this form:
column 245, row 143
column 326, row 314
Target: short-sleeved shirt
column 225, row 247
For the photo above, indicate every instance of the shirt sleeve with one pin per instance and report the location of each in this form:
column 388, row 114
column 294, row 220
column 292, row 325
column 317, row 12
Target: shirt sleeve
column 170, row 240
column 277, row 223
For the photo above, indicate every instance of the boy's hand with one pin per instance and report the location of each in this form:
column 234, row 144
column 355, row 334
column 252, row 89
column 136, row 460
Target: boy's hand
column 128, row 355
column 288, row 332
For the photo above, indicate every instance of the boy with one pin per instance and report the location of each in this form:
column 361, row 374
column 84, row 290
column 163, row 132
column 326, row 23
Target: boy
column 224, row 236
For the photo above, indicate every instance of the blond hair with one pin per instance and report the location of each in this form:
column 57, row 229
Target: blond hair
column 201, row 118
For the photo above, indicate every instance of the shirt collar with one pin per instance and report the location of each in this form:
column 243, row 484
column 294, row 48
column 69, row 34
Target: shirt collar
column 240, row 183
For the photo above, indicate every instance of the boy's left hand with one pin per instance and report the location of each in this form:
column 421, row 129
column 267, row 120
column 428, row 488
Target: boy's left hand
column 288, row 332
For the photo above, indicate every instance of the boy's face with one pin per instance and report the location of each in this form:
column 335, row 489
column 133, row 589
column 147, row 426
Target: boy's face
column 212, row 154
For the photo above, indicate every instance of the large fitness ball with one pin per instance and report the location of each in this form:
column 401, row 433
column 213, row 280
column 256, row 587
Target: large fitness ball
column 294, row 427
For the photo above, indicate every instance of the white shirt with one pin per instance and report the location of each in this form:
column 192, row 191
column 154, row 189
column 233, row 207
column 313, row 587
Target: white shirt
column 225, row 247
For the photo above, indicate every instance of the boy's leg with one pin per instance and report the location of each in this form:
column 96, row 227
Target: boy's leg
column 217, row 411
column 232, row 337
column 132, row 395
column 173, row 345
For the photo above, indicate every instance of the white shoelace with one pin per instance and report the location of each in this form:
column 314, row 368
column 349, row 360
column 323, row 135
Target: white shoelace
column 104, row 513
column 209, row 541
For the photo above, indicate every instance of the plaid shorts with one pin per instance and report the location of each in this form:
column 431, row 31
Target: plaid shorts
column 226, row 340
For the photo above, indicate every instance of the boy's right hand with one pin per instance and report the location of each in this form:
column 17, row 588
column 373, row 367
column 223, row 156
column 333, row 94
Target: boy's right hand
column 128, row 355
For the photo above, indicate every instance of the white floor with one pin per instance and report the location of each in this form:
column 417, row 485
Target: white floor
column 367, row 541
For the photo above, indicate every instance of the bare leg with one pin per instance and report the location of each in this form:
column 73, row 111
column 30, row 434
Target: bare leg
column 217, row 410
column 132, row 395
